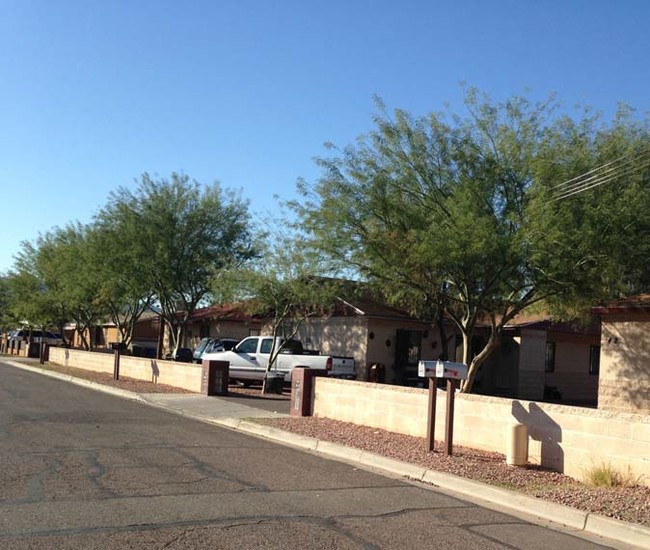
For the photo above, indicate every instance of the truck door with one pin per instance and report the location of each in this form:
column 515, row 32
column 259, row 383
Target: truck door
column 248, row 367
column 265, row 352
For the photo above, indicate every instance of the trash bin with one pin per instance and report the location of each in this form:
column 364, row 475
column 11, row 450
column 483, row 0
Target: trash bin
column 34, row 350
column 377, row 373
column 274, row 382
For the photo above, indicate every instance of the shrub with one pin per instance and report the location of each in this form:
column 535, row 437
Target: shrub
column 605, row 475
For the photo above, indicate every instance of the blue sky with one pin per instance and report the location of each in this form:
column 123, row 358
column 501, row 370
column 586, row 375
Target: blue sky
column 94, row 93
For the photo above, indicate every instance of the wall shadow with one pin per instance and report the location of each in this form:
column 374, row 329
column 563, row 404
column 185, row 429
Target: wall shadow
column 155, row 372
column 542, row 428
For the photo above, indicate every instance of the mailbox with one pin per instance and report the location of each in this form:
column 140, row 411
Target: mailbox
column 442, row 369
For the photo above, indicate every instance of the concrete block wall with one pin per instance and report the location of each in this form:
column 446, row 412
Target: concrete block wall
column 566, row 439
column 180, row 375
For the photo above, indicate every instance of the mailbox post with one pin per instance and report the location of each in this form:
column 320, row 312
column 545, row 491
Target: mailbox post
column 116, row 364
column 431, row 419
column 451, row 372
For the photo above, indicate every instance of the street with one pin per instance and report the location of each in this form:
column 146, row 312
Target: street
column 84, row 470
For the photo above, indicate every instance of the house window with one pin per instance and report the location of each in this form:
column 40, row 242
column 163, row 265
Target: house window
column 594, row 360
column 549, row 359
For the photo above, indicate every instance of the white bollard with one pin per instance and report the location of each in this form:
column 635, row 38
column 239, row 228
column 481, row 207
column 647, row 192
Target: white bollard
column 517, row 445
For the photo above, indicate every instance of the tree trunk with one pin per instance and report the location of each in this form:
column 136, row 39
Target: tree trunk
column 466, row 347
column 272, row 358
column 477, row 361
column 440, row 322
column 84, row 340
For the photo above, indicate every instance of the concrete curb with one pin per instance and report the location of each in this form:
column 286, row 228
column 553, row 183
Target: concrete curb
column 635, row 535
column 294, row 440
column 576, row 520
column 549, row 511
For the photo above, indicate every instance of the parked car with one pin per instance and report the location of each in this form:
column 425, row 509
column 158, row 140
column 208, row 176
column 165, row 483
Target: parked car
column 213, row 345
column 38, row 336
column 249, row 359
column 182, row 355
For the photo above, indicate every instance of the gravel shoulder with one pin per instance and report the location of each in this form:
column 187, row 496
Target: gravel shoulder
column 630, row 504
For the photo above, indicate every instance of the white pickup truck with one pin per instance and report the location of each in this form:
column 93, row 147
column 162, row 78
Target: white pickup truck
column 249, row 359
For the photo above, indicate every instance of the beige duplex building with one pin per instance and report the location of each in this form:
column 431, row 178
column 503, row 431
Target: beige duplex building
column 624, row 383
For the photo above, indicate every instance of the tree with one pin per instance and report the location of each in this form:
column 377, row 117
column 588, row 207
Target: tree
column 37, row 283
column 286, row 286
column 72, row 264
column 7, row 304
column 591, row 231
column 124, row 289
column 182, row 233
column 439, row 213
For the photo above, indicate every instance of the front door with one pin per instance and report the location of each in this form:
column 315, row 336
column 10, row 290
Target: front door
column 408, row 351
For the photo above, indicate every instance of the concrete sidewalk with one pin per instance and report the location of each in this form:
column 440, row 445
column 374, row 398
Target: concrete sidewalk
column 235, row 413
column 216, row 409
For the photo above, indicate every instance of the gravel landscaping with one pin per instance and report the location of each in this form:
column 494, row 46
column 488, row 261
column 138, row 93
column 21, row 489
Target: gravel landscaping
column 124, row 383
column 631, row 504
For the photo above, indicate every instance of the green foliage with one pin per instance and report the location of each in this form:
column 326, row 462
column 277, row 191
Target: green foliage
column 457, row 215
column 181, row 234
column 163, row 242
column 69, row 283
column 124, row 291
column 596, row 242
column 7, row 305
column 285, row 285
column 42, row 292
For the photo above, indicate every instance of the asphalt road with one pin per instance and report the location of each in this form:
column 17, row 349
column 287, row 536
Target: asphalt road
column 83, row 470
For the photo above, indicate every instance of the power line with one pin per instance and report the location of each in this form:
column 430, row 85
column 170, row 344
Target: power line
column 601, row 181
column 624, row 169
column 620, row 167
column 598, row 172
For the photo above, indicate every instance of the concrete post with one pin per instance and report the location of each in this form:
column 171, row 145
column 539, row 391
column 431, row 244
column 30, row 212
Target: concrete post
column 302, row 390
column 214, row 377
column 116, row 365
column 517, row 445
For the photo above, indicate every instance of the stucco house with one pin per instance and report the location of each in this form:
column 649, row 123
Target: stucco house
column 145, row 340
column 375, row 334
column 221, row 321
column 364, row 328
column 624, row 383
column 542, row 360
column 538, row 359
